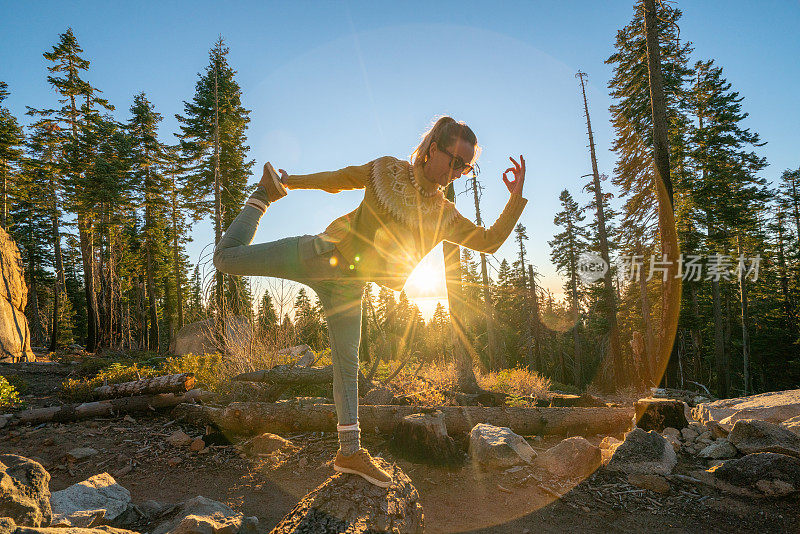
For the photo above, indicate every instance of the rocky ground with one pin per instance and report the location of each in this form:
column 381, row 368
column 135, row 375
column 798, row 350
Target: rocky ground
column 144, row 455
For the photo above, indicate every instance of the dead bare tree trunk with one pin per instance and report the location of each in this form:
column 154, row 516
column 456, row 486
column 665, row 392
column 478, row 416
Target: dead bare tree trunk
column 610, row 310
column 461, row 346
column 495, row 358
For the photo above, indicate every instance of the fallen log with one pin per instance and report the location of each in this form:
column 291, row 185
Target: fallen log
column 104, row 408
column 254, row 417
column 288, row 375
column 179, row 383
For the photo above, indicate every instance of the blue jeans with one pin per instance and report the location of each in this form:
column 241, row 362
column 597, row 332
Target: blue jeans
column 305, row 259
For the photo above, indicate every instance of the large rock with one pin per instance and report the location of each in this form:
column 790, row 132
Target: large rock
column 751, row 435
column 348, row 503
column 573, row 457
column 15, row 336
column 203, row 337
column 644, row 452
column 775, row 407
column 100, row 492
column 761, row 474
column 205, row 516
column 721, row 449
column 24, row 491
column 498, row 447
column 658, row 414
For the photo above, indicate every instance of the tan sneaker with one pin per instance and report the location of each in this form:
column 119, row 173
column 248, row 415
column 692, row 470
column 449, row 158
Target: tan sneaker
column 272, row 183
column 361, row 463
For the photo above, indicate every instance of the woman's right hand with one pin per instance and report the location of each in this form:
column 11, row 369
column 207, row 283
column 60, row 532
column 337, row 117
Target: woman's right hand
column 284, row 176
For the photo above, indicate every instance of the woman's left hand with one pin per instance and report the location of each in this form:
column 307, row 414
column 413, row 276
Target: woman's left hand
column 515, row 186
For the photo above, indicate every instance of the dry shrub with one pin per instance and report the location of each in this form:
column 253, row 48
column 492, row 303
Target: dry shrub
column 517, row 381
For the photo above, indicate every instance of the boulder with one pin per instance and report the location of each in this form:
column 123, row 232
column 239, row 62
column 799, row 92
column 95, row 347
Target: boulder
column 379, row 395
column 202, row 337
column 751, row 435
column 761, row 474
column 658, row 414
column 775, row 407
column 423, row 437
column 498, row 447
column 205, row 516
column 15, row 336
column 720, row 449
column 348, row 503
column 24, row 491
column 98, row 493
column 265, row 444
column 574, row 457
column 644, row 452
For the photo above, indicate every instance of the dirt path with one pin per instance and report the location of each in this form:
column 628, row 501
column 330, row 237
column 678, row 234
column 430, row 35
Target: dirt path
column 460, row 500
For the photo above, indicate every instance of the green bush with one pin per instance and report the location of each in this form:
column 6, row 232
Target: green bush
column 9, row 397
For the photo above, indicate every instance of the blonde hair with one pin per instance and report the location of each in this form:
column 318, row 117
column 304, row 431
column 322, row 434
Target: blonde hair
column 445, row 131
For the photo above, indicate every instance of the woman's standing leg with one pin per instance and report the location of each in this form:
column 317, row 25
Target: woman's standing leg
column 341, row 302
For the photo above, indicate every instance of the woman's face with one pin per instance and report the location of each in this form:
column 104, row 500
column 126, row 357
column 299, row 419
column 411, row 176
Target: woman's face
column 440, row 165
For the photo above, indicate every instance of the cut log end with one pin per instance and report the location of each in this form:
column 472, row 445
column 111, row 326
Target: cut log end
column 348, row 503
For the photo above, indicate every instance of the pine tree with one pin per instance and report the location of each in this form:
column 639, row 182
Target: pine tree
column 727, row 191
column 632, row 119
column 11, row 141
column 214, row 146
column 148, row 172
column 80, row 102
column 566, row 248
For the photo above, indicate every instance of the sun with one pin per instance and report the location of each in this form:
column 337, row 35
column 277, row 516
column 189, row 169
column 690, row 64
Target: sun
column 427, row 279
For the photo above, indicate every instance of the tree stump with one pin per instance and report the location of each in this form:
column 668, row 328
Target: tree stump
column 423, row 437
column 657, row 414
column 348, row 503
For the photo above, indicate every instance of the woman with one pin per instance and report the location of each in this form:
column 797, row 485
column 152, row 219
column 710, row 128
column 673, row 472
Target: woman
column 404, row 214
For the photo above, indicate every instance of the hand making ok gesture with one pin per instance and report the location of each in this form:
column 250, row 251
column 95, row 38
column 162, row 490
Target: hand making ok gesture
column 518, row 169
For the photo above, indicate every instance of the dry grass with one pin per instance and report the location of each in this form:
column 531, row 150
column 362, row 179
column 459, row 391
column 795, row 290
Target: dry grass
column 517, row 381
column 428, row 388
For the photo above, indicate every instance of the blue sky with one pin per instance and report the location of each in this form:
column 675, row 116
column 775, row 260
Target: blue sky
column 332, row 84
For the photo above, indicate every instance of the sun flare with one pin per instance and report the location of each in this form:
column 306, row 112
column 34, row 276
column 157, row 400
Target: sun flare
column 427, row 279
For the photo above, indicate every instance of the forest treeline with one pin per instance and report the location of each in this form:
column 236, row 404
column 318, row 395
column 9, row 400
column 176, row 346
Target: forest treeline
column 102, row 210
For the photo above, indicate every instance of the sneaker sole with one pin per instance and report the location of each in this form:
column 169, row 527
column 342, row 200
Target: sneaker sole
column 276, row 181
column 367, row 477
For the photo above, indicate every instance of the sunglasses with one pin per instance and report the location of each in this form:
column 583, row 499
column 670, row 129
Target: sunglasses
column 457, row 164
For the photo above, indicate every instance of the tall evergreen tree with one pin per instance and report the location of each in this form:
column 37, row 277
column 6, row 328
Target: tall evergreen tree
column 148, row 171
column 79, row 101
column 11, row 141
column 567, row 246
column 213, row 140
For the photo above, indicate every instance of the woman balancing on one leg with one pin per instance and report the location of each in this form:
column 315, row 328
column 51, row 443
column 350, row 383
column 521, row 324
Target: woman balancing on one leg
column 404, row 214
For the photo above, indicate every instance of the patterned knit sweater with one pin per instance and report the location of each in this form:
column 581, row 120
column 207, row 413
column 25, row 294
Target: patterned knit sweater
column 395, row 225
